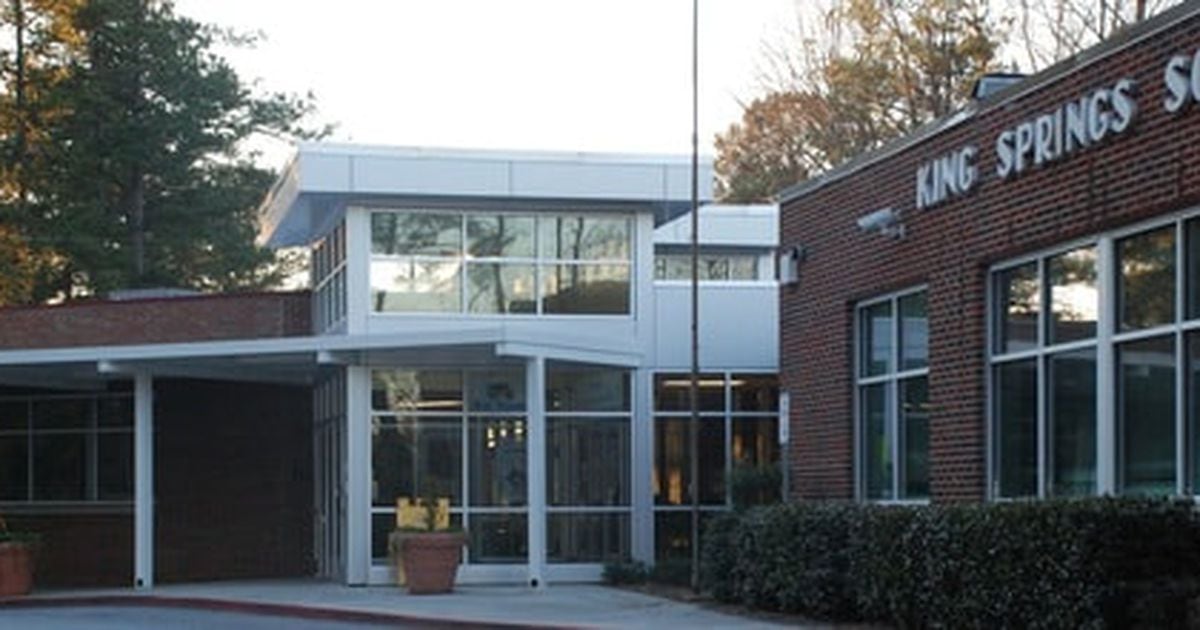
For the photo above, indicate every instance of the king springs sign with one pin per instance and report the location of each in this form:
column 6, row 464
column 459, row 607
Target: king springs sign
column 1072, row 127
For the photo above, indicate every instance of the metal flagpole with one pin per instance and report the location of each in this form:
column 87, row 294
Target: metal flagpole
column 694, row 428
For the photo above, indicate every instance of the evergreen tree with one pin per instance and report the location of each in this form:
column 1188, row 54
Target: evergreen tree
column 133, row 160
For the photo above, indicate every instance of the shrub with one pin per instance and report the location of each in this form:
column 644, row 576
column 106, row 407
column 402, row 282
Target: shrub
column 617, row 573
column 1082, row 563
column 751, row 485
column 673, row 571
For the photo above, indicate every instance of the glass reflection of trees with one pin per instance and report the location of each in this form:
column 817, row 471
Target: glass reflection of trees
column 1020, row 299
column 1147, row 280
column 422, row 260
column 1074, row 299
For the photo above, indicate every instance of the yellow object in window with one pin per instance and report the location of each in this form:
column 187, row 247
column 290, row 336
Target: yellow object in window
column 413, row 514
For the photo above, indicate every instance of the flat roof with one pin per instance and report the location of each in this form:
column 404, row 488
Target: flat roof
column 321, row 179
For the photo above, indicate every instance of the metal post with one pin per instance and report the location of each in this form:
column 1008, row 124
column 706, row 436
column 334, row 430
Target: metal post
column 357, row 454
column 143, row 481
column 695, row 376
column 535, row 466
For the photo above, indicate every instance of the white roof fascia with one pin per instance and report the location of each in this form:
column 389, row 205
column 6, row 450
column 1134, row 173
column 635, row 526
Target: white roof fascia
column 319, row 175
column 570, row 353
column 320, row 345
column 725, row 225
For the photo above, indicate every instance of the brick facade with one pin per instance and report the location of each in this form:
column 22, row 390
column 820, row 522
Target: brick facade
column 233, row 493
column 158, row 320
column 1151, row 169
column 233, row 461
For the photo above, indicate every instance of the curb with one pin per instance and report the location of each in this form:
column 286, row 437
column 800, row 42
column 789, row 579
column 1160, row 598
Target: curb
column 300, row 611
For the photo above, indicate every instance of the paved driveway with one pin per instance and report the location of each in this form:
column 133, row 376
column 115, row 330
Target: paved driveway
column 566, row 605
column 138, row 617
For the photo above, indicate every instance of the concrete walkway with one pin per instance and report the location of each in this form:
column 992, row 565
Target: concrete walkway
column 574, row 605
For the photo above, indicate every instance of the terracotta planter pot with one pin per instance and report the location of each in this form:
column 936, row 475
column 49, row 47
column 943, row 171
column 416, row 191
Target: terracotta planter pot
column 16, row 569
column 431, row 561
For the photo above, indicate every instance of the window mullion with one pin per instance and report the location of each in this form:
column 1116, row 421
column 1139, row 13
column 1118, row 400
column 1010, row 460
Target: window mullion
column 1182, row 465
column 1043, row 429
column 92, row 471
column 1046, row 319
column 1106, row 429
column 728, row 437
column 894, row 386
column 29, row 442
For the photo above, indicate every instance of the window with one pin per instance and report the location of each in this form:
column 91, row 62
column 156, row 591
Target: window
column 588, row 463
column 892, row 392
column 1043, row 374
column 329, row 279
column 733, row 267
column 500, row 263
column 739, row 426
column 455, row 435
column 66, row 448
column 1098, row 393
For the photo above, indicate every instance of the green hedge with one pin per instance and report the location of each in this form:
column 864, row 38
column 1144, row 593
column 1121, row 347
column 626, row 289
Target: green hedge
column 1053, row 564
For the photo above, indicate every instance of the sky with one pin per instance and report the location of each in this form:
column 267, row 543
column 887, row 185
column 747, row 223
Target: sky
column 573, row 75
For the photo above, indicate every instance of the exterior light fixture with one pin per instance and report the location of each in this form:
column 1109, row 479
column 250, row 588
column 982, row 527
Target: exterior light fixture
column 789, row 264
column 885, row 222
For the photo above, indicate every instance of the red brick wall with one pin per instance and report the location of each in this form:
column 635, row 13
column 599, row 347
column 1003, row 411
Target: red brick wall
column 1151, row 169
column 233, row 492
column 199, row 318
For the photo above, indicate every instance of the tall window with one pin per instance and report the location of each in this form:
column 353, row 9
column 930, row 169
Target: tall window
column 588, row 463
column 66, row 448
column 892, row 390
column 1095, row 364
column 739, row 427
column 1044, row 375
column 329, row 279
column 454, row 435
column 445, row 261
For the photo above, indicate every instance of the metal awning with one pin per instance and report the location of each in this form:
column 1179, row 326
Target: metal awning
column 296, row 360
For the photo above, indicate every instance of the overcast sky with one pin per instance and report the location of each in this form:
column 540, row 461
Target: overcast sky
column 586, row 75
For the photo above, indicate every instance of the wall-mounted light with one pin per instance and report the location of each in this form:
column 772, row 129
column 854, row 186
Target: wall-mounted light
column 885, row 221
column 789, row 263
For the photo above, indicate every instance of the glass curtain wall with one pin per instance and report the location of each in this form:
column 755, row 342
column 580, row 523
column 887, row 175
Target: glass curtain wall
column 1121, row 309
column 739, row 429
column 458, row 436
column 445, row 261
column 588, row 463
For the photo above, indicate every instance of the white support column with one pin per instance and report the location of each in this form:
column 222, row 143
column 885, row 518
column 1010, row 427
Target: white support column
column 642, row 453
column 535, row 394
column 358, row 270
column 143, row 481
column 358, row 475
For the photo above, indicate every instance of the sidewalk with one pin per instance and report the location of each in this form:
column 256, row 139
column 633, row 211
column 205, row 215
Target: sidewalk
column 567, row 605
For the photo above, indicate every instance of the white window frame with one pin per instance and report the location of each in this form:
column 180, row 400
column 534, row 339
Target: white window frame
column 891, row 381
column 463, row 417
column 538, row 261
column 1108, row 339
